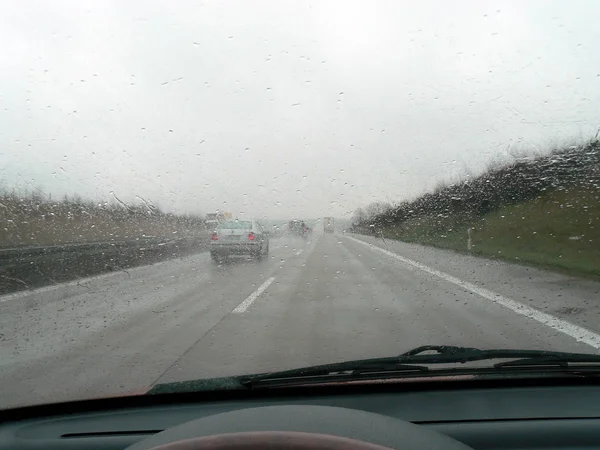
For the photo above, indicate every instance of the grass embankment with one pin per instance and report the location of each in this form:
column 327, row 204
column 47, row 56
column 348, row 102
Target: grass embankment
column 32, row 219
column 545, row 212
column 136, row 235
column 558, row 230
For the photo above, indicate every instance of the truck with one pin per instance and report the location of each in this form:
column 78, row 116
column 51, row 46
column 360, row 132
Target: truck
column 328, row 224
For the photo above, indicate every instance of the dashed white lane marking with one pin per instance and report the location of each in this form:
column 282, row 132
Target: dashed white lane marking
column 580, row 334
column 242, row 307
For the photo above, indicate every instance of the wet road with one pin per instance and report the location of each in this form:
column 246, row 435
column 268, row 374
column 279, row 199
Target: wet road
column 332, row 298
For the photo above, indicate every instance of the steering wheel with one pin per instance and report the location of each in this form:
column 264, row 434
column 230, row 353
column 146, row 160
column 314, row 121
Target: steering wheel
column 285, row 440
column 298, row 427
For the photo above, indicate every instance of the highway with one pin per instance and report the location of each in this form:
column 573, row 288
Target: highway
column 332, row 298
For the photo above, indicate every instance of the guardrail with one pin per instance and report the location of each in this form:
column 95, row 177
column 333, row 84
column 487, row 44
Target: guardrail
column 36, row 266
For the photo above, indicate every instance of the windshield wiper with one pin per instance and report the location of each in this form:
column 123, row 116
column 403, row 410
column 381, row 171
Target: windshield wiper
column 415, row 362
column 335, row 371
column 451, row 354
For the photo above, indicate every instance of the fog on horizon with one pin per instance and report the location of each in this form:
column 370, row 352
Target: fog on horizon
column 285, row 109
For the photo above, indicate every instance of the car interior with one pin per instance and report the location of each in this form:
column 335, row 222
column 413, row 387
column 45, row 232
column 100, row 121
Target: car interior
column 453, row 414
column 301, row 225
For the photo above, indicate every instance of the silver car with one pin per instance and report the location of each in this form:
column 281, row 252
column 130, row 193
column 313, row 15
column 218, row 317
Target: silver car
column 239, row 237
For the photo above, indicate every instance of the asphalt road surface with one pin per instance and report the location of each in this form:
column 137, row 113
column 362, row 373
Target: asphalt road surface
column 332, row 298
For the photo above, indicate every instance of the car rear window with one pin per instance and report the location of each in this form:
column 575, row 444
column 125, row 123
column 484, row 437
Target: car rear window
column 235, row 224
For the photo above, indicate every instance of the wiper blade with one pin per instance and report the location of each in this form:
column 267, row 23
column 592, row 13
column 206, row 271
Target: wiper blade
column 445, row 354
column 415, row 362
column 336, row 371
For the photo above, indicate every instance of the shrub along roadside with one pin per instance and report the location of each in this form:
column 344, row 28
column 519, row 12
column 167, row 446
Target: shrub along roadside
column 553, row 231
column 48, row 242
column 33, row 219
column 545, row 212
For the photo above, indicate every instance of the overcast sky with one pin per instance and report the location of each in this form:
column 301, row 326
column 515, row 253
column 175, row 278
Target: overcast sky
column 285, row 108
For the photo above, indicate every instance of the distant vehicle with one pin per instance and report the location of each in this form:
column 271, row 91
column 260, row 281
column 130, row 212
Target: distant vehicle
column 298, row 227
column 328, row 224
column 214, row 219
column 239, row 237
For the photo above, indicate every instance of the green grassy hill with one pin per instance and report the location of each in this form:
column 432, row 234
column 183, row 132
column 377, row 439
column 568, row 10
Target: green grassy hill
column 545, row 212
column 558, row 230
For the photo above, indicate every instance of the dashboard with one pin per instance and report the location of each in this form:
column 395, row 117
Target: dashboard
column 515, row 417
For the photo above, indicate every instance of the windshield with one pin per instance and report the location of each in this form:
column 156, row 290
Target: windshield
column 424, row 173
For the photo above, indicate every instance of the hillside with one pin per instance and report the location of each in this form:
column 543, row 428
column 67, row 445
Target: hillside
column 543, row 210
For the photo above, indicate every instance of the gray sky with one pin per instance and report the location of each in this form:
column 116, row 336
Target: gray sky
column 285, row 108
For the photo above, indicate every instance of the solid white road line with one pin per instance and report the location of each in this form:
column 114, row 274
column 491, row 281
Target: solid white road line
column 580, row 334
column 242, row 307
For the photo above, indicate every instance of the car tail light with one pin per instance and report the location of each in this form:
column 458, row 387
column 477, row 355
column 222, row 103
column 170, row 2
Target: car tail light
column 215, row 237
column 251, row 236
